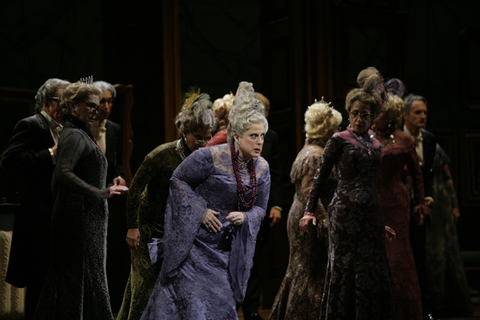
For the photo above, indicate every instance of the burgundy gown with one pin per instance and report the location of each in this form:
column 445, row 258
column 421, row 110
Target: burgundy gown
column 395, row 204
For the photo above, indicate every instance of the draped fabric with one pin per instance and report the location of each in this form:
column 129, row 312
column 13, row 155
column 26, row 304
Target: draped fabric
column 76, row 285
column 445, row 272
column 395, row 203
column 300, row 293
column 204, row 273
column 358, row 283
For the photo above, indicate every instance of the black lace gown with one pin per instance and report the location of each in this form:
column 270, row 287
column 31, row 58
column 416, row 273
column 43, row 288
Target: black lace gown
column 76, row 286
column 358, row 282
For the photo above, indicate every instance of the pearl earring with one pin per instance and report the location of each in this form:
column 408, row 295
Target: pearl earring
column 237, row 142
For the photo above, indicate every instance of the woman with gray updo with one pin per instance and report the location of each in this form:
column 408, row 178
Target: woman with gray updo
column 148, row 196
column 218, row 197
column 303, row 282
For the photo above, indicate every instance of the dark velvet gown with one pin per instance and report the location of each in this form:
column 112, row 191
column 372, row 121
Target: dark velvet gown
column 358, row 283
column 300, row 294
column 146, row 202
column 76, row 285
column 204, row 273
column 395, row 203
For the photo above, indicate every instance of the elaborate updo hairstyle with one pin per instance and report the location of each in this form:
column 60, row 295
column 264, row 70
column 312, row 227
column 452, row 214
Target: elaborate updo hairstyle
column 393, row 109
column 105, row 86
column 320, row 118
column 196, row 113
column 77, row 92
column 371, row 79
column 48, row 91
column 368, row 97
column 246, row 110
column 222, row 107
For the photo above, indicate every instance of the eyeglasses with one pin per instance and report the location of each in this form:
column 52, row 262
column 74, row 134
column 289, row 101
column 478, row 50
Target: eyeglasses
column 363, row 115
column 93, row 107
column 200, row 140
column 105, row 101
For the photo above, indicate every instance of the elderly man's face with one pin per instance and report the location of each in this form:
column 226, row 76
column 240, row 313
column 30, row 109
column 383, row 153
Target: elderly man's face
column 418, row 115
column 106, row 104
column 52, row 107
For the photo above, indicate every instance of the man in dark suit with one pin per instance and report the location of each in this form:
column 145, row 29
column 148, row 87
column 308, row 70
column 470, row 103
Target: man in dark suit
column 271, row 153
column 31, row 155
column 415, row 119
column 108, row 135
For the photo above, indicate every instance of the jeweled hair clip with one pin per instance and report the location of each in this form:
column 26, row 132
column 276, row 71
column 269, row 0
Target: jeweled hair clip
column 328, row 104
column 256, row 105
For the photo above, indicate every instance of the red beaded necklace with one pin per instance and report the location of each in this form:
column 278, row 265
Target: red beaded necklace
column 242, row 191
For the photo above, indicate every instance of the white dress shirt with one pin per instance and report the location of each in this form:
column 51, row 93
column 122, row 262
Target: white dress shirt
column 55, row 130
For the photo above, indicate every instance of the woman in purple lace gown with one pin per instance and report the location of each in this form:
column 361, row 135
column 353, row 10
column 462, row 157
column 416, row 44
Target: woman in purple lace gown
column 76, row 283
column 300, row 294
column 358, row 283
column 217, row 200
column 398, row 151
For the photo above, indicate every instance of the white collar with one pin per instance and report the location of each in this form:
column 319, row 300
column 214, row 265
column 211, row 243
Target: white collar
column 420, row 135
column 52, row 123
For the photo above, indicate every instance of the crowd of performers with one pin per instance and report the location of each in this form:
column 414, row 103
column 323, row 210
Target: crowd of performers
column 371, row 227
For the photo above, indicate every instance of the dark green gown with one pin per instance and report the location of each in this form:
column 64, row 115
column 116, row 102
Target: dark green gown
column 146, row 203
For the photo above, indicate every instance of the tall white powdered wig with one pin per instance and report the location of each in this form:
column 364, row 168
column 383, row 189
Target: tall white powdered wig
column 246, row 110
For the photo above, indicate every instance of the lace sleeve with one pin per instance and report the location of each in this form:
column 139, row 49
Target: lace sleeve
column 145, row 173
column 71, row 149
column 185, row 209
column 330, row 155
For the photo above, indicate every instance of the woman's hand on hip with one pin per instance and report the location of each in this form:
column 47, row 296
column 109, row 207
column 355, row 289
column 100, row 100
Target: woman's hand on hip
column 133, row 238
column 236, row 217
column 211, row 222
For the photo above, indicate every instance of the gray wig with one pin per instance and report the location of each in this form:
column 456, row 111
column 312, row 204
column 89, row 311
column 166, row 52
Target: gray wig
column 196, row 115
column 48, row 91
column 106, row 86
column 246, row 110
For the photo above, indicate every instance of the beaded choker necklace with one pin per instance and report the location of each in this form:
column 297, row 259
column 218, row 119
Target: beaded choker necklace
column 242, row 190
column 368, row 144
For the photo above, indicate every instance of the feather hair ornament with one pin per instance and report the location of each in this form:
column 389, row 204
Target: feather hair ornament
column 190, row 97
